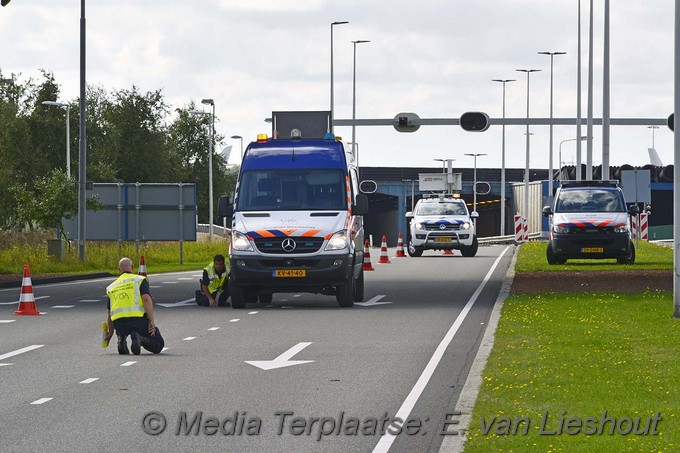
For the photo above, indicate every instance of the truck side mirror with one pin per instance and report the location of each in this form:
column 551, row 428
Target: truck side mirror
column 474, row 214
column 225, row 207
column 547, row 211
column 409, row 215
column 360, row 206
column 634, row 210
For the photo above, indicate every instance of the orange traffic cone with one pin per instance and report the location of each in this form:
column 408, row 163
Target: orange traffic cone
column 367, row 258
column 448, row 252
column 27, row 299
column 142, row 267
column 400, row 247
column 384, row 259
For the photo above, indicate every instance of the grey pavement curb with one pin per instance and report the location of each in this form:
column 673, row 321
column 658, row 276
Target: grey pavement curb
column 468, row 396
column 66, row 278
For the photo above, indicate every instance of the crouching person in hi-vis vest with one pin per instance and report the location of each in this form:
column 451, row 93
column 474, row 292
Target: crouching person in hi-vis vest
column 130, row 312
column 214, row 284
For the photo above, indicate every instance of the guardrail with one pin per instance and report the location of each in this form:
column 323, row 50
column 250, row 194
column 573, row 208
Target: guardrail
column 510, row 239
column 217, row 230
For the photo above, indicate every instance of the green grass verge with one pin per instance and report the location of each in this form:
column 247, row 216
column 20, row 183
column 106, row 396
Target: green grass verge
column 647, row 257
column 578, row 355
column 104, row 256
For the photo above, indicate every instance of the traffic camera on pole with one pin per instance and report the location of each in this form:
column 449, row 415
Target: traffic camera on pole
column 474, row 121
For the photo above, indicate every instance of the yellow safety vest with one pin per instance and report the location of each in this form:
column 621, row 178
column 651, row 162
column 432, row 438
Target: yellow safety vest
column 125, row 297
column 216, row 282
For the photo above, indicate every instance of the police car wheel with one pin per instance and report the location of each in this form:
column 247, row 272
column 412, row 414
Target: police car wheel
column 628, row 259
column 359, row 288
column 550, row 255
column 345, row 293
column 472, row 249
column 414, row 251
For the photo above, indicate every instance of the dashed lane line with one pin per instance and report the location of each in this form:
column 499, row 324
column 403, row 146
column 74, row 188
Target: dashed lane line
column 41, row 401
column 89, row 380
column 132, row 362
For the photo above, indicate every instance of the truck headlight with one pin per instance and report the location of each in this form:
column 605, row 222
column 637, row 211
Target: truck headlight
column 419, row 226
column 338, row 241
column 621, row 229
column 560, row 229
column 240, row 242
column 465, row 226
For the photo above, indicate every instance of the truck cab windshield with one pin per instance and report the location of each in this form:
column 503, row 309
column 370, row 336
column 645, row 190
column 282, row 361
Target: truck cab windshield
column 290, row 190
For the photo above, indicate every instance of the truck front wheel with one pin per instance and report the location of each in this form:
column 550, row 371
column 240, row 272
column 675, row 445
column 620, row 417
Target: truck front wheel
column 345, row 293
column 238, row 296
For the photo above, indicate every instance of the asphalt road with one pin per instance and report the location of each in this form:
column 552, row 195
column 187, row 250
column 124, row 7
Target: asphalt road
column 406, row 354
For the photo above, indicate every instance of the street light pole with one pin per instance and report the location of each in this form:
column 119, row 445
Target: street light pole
column 354, row 97
column 68, row 133
column 652, row 128
column 331, row 116
column 210, row 169
column 503, row 81
column 82, row 144
column 238, row 137
column 550, row 153
column 526, row 171
column 474, row 182
column 355, row 147
column 560, row 156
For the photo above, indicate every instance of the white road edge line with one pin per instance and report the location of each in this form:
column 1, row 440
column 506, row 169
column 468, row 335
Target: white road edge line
column 468, row 396
column 409, row 403
column 41, row 401
column 20, row 351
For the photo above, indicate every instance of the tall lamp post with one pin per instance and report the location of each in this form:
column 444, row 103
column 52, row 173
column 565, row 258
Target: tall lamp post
column 526, row 171
column 210, row 152
column 474, row 182
column 550, row 153
column 82, row 143
column 652, row 128
column 355, row 153
column 503, row 81
column 238, row 137
column 332, row 102
column 68, row 133
column 560, row 155
column 354, row 97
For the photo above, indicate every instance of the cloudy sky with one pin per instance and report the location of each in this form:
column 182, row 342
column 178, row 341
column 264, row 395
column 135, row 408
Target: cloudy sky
column 432, row 57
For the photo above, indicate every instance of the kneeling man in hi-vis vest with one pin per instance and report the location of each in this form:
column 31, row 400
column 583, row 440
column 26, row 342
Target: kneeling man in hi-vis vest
column 214, row 284
column 130, row 312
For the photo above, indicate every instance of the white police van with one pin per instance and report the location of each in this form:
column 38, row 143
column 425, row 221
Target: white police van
column 442, row 223
column 589, row 220
column 296, row 221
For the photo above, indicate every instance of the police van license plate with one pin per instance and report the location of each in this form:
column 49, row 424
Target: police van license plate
column 592, row 250
column 289, row 273
column 442, row 239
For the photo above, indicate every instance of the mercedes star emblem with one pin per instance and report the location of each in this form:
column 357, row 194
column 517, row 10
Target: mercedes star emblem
column 288, row 245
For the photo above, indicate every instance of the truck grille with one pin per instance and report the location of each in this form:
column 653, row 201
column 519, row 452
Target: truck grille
column 276, row 245
column 435, row 227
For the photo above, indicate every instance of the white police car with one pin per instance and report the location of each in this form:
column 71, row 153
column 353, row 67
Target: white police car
column 441, row 223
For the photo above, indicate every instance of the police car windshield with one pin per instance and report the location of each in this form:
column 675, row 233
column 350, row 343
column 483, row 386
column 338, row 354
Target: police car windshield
column 439, row 208
column 286, row 190
column 590, row 200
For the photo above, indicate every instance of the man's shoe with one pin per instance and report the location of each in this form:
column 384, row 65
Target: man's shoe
column 135, row 346
column 122, row 345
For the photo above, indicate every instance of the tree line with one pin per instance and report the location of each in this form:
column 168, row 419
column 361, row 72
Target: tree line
column 131, row 137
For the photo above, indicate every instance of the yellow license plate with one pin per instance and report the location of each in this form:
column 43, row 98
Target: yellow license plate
column 442, row 239
column 592, row 250
column 289, row 273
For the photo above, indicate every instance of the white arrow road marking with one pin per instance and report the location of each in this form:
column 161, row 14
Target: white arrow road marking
column 6, row 321
column 89, row 380
column 372, row 302
column 16, row 301
column 62, row 306
column 41, row 401
column 179, row 304
column 128, row 363
column 164, row 349
column 283, row 360
column 20, row 351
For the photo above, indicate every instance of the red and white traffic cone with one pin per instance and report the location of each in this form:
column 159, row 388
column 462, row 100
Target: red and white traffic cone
column 27, row 299
column 384, row 259
column 142, row 267
column 367, row 257
column 400, row 247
